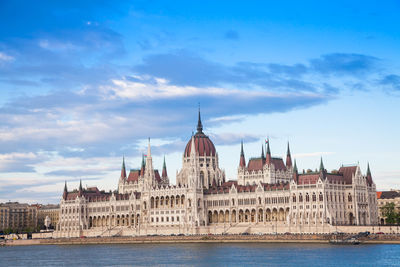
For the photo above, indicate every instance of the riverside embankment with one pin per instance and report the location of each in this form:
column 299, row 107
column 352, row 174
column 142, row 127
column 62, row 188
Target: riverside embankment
column 278, row 238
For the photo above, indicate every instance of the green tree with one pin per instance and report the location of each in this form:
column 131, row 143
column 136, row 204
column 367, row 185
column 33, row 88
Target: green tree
column 389, row 212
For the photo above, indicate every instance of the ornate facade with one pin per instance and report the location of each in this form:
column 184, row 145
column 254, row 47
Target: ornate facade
column 269, row 195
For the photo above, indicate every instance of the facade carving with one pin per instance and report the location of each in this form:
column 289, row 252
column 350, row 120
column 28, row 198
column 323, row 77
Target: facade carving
column 269, row 193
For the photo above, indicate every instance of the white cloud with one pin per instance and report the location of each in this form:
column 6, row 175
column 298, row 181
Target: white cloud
column 5, row 57
column 158, row 88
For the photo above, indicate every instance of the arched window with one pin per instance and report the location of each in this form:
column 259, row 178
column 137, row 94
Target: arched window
column 300, row 198
column 350, row 198
column 307, row 198
column 294, row 197
column 202, row 178
column 314, row 197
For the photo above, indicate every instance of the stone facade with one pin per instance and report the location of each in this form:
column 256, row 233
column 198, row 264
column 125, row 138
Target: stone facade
column 52, row 211
column 386, row 197
column 17, row 216
column 268, row 194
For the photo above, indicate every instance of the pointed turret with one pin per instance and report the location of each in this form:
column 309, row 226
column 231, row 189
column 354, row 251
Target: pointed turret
column 149, row 171
column 242, row 163
column 321, row 166
column 268, row 159
column 149, row 149
column 65, row 193
column 192, row 148
column 142, row 168
column 288, row 157
column 262, row 152
column 369, row 176
column 164, row 170
column 123, row 170
column 80, row 188
column 295, row 172
column 199, row 124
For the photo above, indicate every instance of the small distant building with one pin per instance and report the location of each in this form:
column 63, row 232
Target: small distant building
column 18, row 216
column 53, row 211
column 385, row 197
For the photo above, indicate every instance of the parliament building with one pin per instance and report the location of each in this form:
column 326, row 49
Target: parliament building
column 270, row 195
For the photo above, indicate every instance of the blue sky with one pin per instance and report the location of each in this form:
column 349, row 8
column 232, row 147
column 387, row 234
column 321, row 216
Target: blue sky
column 83, row 83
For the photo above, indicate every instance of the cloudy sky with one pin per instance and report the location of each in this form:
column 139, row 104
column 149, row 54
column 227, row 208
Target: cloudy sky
column 83, row 83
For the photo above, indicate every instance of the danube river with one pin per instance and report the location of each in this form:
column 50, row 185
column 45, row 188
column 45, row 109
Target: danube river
column 202, row 254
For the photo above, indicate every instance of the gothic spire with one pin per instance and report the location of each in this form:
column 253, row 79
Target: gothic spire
column 142, row 168
column 80, row 188
column 368, row 170
column 295, row 172
column 65, row 191
column 149, row 149
column 262, row 152
column 321, row 166
column 369, row 176
column 164, row 170
column 242, row 159
column 288, row 157
column 268, row 159
column 123, row 170
column 199, row 124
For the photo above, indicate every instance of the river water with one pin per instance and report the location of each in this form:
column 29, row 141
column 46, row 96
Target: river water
column 202, row 254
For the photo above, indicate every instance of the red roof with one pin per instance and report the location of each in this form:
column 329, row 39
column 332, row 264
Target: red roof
column 348, row 173
column 255, row 164
column 225, row 187
column 204, row 146
column 134, row 176
column 378, row 194
column 310, row 178
column 157, row 176
column 278, row 164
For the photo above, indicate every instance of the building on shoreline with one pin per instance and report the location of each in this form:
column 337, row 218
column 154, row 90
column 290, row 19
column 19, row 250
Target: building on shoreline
column 269, row 194
column 51, row 211
column 18, row 217
column 386, row 197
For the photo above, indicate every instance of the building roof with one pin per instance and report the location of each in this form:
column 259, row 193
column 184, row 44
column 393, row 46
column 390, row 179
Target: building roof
column 93, row 194
column 387, row 194
column 135, row 174
column 225, row 187
column 202, row 143
column 348, row 173
column 255, row 164
column 308, row 178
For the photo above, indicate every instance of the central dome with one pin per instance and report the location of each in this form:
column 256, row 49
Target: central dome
column 203, row 145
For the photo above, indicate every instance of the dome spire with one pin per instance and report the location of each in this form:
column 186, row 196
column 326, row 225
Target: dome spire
column 199, row 124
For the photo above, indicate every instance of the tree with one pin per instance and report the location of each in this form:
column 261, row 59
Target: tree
column 389, row 212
